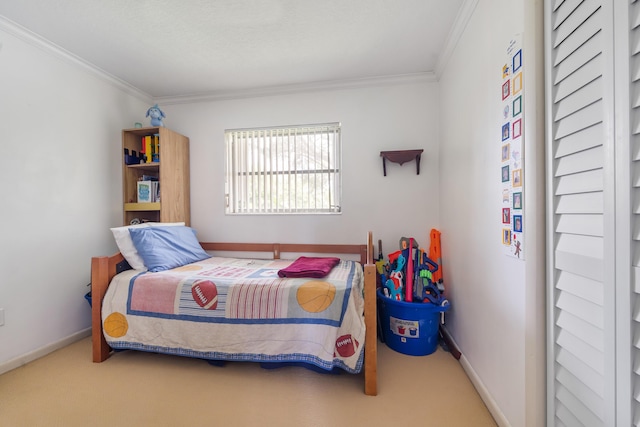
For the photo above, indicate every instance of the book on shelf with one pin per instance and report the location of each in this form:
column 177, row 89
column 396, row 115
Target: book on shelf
column 155, row 157
column 144, row 191
column 142, row 146
column 148, row 148
column 148, row 191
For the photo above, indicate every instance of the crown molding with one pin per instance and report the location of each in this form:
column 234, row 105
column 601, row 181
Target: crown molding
column 47, row 46
column 392, row 80
column 460, row 24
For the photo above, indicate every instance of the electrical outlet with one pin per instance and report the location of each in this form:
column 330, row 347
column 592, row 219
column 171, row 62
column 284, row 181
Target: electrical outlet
column 1, row 316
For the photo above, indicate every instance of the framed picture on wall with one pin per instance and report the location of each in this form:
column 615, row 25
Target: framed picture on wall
column 517, row 106
column 517, row 128
column 517, row 60
column 506, row 236
column 517, row 223
column 517, row 178
column 517, row 83
column 517, row 200
column 506, row 86
column 506, row 216
column 505, row 152
column 505, row 173
column 505, row 131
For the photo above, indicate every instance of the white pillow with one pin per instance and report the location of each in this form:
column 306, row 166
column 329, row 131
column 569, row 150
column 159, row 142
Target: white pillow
column 126, row 246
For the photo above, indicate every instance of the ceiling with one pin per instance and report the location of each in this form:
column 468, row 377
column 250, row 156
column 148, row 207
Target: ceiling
column 169, row 48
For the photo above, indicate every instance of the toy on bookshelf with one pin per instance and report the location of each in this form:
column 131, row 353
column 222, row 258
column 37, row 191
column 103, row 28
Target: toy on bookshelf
column 131, row 158
column 136, row 221
column 156, row 115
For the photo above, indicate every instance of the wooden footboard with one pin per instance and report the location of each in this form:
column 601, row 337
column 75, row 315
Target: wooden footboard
column 102, row 271
column 104, row 268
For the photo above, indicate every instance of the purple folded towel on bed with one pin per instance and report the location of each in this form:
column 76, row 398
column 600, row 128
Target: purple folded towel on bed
column 309, row 267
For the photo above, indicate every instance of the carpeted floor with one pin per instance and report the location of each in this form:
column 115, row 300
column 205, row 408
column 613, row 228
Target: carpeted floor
column 66, row 389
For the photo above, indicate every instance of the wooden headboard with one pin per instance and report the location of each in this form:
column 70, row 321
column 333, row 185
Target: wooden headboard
column 276, row 249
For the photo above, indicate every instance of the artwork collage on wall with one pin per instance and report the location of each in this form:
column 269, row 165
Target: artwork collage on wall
column 512, row 151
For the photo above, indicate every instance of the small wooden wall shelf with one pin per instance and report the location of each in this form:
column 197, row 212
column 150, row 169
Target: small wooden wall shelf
column 401, row 157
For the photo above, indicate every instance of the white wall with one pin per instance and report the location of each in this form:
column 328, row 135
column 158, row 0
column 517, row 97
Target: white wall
column 393, row 117
column 60, row 180
column 493, row 317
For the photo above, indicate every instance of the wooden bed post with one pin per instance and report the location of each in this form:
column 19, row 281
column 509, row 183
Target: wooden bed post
column 371, row 334
column 99, row 283
column 370, row 320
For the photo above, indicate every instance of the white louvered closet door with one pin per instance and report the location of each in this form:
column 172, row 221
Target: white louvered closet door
column 629, row 149
column 593, row 206
column 581, row 329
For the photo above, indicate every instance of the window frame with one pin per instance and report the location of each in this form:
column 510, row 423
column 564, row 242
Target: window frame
column 256, row 146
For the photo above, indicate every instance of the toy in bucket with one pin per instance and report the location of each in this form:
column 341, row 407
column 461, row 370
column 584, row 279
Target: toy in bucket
column 409, row 275
column 424, row 288
column 394, row 284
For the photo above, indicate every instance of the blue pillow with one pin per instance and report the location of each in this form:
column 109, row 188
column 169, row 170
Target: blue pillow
column 164, row 248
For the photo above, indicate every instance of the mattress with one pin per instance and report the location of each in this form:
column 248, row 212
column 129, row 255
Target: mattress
column 236, row 309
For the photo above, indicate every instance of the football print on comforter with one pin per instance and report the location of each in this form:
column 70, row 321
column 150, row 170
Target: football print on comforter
column 231, row 290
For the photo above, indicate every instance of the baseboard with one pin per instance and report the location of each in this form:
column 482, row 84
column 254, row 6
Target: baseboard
column 43, row 351
column 486, row 397
column 451, row 344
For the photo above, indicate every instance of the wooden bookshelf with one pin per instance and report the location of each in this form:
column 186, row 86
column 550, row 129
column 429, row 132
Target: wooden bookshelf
column 172, row 171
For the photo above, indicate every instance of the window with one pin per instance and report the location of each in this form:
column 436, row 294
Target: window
column 284, row 170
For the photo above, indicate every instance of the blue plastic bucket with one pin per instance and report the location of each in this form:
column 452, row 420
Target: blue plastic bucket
column 410, row 327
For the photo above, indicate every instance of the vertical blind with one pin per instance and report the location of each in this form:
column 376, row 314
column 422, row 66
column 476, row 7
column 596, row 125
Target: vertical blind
column 280, row 170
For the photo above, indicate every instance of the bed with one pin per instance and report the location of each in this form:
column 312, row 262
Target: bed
column 250, row 314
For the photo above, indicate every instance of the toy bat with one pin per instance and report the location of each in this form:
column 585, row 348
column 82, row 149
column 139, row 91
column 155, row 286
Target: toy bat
column 435, row 253
column 409, row 280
